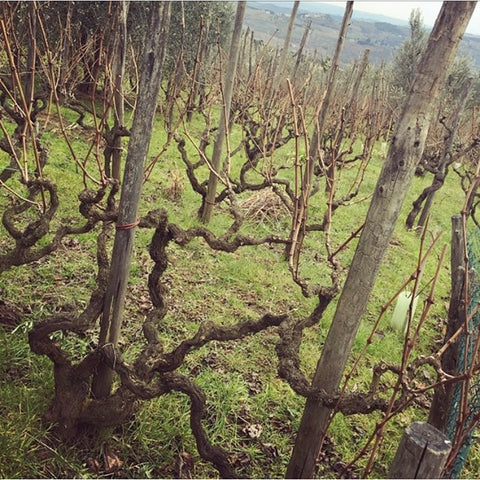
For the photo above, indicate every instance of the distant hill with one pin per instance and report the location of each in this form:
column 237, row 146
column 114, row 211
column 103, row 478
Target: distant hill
column 381, row 34
column 337, row 10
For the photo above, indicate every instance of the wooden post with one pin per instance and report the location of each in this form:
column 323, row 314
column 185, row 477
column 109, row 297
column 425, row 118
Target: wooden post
column 114, row 302
column 422, row 453
column 442, row 398
column 406, row 149
column 209, row 200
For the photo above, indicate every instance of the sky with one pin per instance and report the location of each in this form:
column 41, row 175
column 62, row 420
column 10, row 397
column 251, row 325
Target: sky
column 400, row 9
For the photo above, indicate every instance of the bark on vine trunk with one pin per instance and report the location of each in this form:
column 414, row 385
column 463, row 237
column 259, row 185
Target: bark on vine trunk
column 149, row 86
column 403, row 156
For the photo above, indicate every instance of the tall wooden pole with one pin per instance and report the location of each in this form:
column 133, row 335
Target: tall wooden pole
column 225, row 113
column 442, row 398
column 405, row 151
column 110, row 324
column 118, row 77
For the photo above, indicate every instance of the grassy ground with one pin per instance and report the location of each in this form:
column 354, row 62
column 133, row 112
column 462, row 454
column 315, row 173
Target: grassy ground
column 251, row 413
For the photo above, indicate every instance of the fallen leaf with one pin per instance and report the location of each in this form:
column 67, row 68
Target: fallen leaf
column 112, row 461
column 239, row 460
column 280, row 425
column 270, row 450
column 185, row 465
column 93, row 465
column 194, row 371
column 211, row 360
column 254, row 383
column 253, row 430
column 71, row 242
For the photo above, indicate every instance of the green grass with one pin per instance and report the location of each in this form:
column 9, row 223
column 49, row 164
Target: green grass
column 251, row 413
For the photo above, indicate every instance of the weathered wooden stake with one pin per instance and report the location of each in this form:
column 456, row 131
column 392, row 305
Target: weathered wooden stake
column 422, row 453
column 406, row 149
column 442, row 398
column 224, row 113
column 114, row 303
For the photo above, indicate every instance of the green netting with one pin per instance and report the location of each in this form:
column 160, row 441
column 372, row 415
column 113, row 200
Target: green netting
column 466, row 347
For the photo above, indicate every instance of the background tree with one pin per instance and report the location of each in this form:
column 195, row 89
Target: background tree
column 89, row 20
column 409, row 53
column 438, row 158
column 219, row 16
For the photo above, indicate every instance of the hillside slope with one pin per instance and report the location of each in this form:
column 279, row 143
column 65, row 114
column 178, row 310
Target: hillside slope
column 269, row 23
